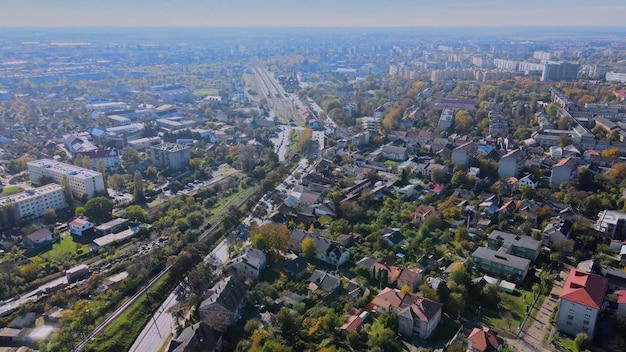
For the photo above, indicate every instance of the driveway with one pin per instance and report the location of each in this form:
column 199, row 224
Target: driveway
column 531, row 339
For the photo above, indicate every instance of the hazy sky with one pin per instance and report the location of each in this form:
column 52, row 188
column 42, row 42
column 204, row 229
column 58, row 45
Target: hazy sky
column 334, row 13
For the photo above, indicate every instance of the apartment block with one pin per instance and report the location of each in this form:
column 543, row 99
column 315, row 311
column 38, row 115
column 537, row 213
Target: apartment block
column 33, row 202
column 81, row 180
column 173, row 155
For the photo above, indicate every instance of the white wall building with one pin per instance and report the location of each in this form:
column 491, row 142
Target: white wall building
column 81, row 180
column 34, row 202
column 582, row 300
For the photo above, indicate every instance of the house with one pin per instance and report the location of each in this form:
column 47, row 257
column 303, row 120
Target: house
column 80, row 226
column 422, row 212
column 354, row 323
column 417, row 315
column 558, row 229
column 325, row 249
column 392, row 152
column 247, row 265
column 323, row 281
column 501, row 264
column 409, row 278
column 223, row 306
column 563, row 171
column 582, row 299
column 296, row 267
column 199, row 337
column 484, row 340
column 463, row 154
column 511, row 164
column 612, row 222
column 528, row 180
column 521, row 246
column 38, row 238
column 394, row 237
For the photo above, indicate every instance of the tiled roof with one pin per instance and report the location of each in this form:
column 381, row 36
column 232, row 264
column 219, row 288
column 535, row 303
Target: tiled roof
column 585, row 288
column 485, row 340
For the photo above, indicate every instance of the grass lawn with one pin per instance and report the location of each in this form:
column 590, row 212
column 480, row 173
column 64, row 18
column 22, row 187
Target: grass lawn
column 510, row 315
column 224, row 203
column 565, row 342
column 10, row 190
column 65, row 250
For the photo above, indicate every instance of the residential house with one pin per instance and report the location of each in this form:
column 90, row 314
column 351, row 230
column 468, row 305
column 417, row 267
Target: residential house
column 324, row 282
column 484, row 340
column 296, row 267
column 354, row 323
column 557, row 230
column 409, row 278
column 38, row 238
column 501, row 264
column 511, row 164
column 422, row 212
column 392, row 152
column 223, row 306
column 563, row 171
column 613, row 223
column 582, row 299
column 325, row 249
column 110, row 157
column 394, row 237
column 247, row 265
column 521, row 246
column 199, row 337
column 528, row 180
column 80, row 227
column 463, row 154
column 417, row 315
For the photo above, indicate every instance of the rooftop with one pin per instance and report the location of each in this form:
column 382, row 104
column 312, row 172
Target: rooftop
column 501, row 258
column 585, row 288
column 58, row 167
column 170, row 147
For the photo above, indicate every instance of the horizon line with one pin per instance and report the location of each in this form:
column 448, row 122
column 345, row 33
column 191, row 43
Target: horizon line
column 317, row 27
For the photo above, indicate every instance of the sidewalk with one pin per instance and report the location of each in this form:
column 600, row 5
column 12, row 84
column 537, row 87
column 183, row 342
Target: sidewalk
column 531, row 339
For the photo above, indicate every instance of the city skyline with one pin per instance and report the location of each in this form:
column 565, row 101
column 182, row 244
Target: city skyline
column 324, row 13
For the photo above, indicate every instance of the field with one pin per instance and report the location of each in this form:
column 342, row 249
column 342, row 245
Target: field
column 65, row 250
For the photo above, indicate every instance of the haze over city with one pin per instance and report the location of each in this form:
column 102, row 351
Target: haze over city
column 323, row 13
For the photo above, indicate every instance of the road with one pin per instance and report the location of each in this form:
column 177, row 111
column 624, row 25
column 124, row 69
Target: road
column 159, row 329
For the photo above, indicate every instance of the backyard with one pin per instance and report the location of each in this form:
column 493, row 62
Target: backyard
column 65, row 250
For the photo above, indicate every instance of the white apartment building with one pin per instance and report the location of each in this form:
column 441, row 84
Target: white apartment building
column 33, row 202
column 582, row 300
column 81, row 180
column 446, row 119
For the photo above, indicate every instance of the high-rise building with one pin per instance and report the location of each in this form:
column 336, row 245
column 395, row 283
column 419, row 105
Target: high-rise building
column 563, row 71
column 173, row 155
column 81, row 180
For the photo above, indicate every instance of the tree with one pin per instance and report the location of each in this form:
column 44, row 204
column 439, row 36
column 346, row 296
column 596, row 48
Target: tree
column 117, row 182
column 308, row 248
column 138, row 187
column 67, row 190
column 456, row 305
column 130, row 157
column 581, row 341
column 136, row 213
column 462, row 234
column 443, row 292
column 438, row 176
column 101, row 169
column 50, row 216
column 79, row 211
column 98, row 209
column 273, row 237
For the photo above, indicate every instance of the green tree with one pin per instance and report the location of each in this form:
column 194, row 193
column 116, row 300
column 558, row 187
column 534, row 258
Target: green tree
column 138, row 187
column 79, row 211
column 136, row 213
column 443, row 292
column 581, row 341
column 101, row 169
column 98, row 209
column 50, row 216
column 308, row 248
column 67, row 190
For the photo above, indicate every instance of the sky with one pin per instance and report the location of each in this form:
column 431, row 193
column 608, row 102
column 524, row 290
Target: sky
column 312, row 13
